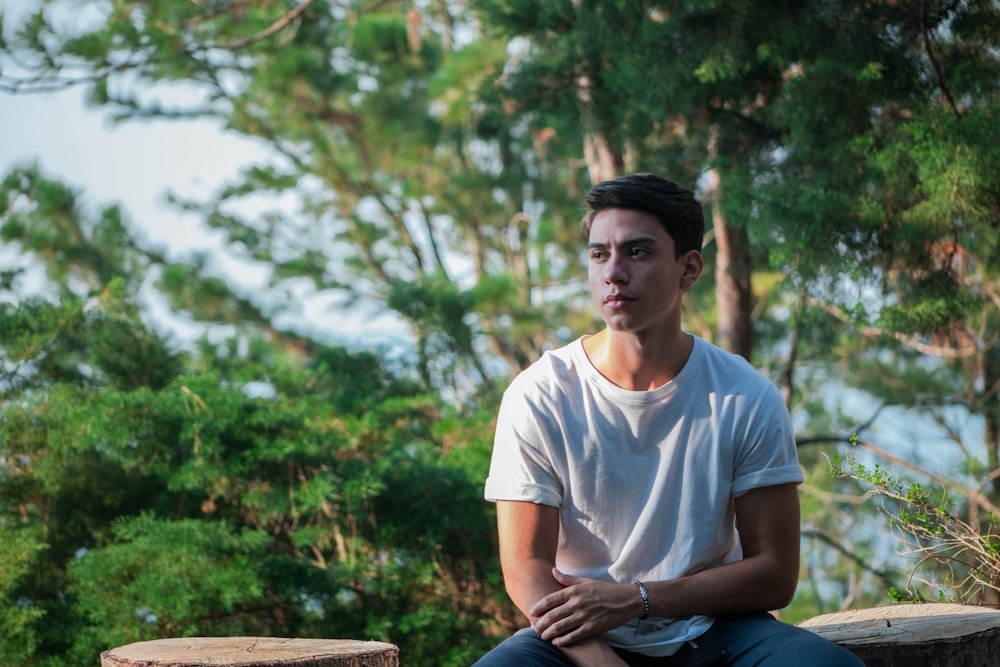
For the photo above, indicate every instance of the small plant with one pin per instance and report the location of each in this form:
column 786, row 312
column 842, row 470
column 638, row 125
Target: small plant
column 957, row 557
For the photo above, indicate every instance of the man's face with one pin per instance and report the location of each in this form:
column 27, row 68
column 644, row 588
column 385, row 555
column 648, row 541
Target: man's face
column 634, row 276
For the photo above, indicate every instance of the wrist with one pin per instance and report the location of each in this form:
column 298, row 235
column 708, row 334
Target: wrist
column 645, row 599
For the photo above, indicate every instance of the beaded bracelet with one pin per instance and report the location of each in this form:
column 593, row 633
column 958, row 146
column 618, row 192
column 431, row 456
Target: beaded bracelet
column 645, row 599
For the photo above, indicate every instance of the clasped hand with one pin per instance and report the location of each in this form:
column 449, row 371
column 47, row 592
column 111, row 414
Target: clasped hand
column 583, row 608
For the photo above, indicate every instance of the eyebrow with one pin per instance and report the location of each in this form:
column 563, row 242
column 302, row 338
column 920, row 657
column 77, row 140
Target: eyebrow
column 639, row 240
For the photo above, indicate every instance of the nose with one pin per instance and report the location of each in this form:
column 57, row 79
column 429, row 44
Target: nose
column 614, row 271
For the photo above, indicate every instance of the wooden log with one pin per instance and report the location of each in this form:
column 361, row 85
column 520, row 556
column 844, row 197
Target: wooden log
column 915, row 635
column 252, row 652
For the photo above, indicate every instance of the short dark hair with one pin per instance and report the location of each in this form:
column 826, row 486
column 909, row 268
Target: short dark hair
column 675, row 207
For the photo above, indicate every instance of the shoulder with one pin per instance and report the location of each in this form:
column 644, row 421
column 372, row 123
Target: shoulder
column 555, row 369
column 715, row 358
column 730, row 374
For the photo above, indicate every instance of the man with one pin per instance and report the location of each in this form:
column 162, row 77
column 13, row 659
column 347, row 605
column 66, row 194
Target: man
column 645, row 480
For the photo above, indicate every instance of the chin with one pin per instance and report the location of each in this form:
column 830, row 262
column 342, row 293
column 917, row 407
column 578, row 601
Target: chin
column 620, row 326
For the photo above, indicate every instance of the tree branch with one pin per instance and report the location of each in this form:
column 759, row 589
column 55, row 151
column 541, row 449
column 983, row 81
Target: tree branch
column 887, row 577
column 943, row 351
column 973, row 494
column 928, row 48
column 271, row 30
column 793, row 349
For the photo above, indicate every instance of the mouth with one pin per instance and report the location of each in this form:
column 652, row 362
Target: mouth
column 616, row 299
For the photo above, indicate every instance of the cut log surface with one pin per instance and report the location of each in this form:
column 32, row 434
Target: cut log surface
column 915, row 635
column 252, row 652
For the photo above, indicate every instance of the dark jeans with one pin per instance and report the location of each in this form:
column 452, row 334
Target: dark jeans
column 749, row 640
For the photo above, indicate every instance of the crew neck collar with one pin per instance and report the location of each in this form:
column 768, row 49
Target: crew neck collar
column 637, row 395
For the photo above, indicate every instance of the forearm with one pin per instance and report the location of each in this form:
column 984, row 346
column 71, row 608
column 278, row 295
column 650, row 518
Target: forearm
column 528, row 583
column 766, row 577
column 593, row 652
column 528, row 536
column 752, row 584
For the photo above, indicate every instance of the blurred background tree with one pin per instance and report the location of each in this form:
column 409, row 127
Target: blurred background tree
column 436, row 154
column 238, row 487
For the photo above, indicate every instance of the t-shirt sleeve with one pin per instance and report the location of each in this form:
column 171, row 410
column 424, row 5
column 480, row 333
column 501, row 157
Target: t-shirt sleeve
column 521, row 466
column 767, row 455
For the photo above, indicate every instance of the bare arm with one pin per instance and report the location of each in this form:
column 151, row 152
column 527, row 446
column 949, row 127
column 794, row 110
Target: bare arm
column 768, row 522
column 528, row 537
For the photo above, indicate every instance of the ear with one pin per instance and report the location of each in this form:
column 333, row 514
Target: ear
column 693, row 264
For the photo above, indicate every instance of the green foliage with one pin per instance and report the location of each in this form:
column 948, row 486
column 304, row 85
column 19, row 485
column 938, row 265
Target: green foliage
column 247, row 489
column 956, row 559
column 45, row 217
column 325, row 507
column 435, row 156
column 19, row 551
column 165, row 578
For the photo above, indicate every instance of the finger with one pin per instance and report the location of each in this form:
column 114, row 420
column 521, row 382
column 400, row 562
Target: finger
column 545, row 620
column 572, row 636
column 555, row 629
column 547, row 603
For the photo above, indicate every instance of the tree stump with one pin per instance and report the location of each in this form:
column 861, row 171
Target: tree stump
column 252, row 652
column 915, row 635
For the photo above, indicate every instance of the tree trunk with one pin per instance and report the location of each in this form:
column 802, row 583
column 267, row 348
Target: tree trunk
column 252, row 652
column 991, row 413
column 733, row 267
column 915, row 635
column 604, row 161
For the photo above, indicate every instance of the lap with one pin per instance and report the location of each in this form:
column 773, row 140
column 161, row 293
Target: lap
column 751, row 639
column 760, row 639
column 525, row 648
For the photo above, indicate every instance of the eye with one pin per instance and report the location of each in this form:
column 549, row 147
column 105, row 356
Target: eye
column 638, row 252
column 598, row 255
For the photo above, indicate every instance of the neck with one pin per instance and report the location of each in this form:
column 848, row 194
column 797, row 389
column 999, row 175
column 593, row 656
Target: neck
column 635, row 362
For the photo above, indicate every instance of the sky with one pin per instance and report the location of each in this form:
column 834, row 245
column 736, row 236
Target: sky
column 134, row 164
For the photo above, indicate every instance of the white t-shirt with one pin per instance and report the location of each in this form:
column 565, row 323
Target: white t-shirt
column 645, row 480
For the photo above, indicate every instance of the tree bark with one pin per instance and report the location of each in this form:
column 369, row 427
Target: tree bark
column 733, row 269
column 991, row 413
column 915, row 635
column 252, row 652
column 603, row 162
